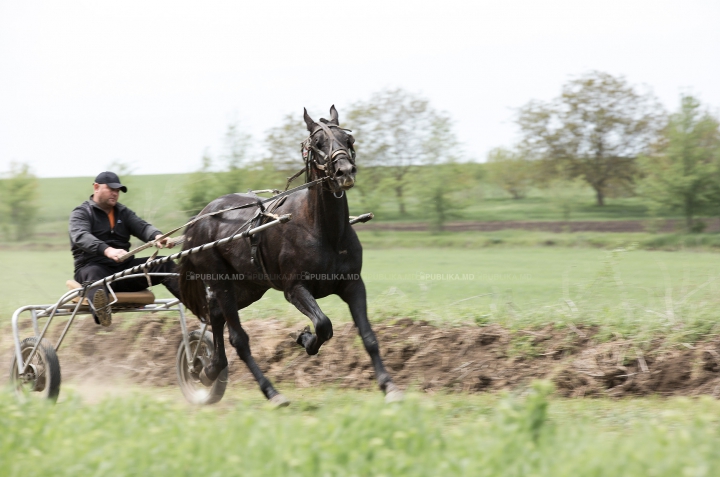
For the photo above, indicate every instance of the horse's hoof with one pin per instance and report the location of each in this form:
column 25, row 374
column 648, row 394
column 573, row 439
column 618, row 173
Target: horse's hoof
column 205, row 379
column 297, row 335
column 393, row 394
column 278, row 400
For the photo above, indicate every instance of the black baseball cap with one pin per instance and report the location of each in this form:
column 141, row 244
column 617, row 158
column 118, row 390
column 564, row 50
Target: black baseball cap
column 111, row 179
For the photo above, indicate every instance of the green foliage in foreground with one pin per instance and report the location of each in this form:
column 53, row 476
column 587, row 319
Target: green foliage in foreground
column 144, row 436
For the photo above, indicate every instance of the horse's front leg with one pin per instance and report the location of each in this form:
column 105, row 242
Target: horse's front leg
column 354, row 295
column 303, row 300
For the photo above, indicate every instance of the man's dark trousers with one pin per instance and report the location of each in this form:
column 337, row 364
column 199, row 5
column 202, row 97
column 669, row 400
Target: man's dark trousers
column 93, row 272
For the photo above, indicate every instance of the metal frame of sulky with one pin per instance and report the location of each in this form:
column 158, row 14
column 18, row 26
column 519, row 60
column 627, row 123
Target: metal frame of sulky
column 65, row 306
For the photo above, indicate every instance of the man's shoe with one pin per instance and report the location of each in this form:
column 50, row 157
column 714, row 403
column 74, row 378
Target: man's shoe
column 102, row 310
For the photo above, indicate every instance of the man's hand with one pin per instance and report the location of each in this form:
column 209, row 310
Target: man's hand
column 166, row 242
column 114, row 253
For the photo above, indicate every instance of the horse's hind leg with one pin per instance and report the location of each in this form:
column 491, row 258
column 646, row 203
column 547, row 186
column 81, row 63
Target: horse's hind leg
column 239, row 339
column 306, row 304
column 241, row 342
column 354, row 295
column 219, row 358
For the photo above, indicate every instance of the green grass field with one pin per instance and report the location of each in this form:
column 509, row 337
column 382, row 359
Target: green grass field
column 525, row 238
column 630, row 291
column 338, row 433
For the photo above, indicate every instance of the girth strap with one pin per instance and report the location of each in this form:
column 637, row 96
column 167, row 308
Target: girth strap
column 255, row 255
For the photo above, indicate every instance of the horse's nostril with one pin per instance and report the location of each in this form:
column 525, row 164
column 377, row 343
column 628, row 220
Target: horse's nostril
column 339, row 173
column 354, row 170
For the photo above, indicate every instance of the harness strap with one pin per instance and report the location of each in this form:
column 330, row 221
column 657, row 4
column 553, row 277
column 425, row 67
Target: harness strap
column 255, row 255
column 217, row 212
column 309, row 150
column 147, row 270
column 293, row 177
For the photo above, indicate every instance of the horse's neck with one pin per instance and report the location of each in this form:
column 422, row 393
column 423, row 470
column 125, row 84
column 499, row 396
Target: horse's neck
column 330, row 214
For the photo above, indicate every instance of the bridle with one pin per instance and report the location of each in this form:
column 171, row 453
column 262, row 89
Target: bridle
column 326, row 162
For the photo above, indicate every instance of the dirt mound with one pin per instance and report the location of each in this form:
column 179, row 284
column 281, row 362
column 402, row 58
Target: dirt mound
column 455, row 359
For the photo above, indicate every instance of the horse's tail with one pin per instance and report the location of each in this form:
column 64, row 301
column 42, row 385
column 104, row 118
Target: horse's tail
column 192, row 290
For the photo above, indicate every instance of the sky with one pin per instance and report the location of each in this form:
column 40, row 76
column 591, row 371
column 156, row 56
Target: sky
column 154, row 84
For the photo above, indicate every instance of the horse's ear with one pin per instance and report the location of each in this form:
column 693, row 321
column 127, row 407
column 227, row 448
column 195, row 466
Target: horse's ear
column 334, row 115
column 311, row 125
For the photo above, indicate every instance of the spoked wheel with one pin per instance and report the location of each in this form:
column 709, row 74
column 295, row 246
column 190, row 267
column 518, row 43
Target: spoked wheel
column 42, row 374
column 189, row 375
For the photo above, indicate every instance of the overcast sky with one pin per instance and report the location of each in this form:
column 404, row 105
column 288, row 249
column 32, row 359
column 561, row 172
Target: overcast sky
column 154, row 84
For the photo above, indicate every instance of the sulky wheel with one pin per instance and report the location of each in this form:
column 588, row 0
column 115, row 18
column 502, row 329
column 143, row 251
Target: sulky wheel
column 188, row 376
column 42, row 374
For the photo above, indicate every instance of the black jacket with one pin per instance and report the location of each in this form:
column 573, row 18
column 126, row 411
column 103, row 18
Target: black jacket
column 90, row 232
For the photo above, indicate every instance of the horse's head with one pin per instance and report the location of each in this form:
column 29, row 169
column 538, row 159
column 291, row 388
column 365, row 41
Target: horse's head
column 329, row 150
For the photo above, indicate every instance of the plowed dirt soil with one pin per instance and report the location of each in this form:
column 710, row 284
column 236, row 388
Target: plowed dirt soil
column 467, row 359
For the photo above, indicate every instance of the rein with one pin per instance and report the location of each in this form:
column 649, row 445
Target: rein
column 310, row 155
column 217, row 212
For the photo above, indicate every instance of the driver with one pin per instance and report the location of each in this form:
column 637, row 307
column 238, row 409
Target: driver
column 100, row 230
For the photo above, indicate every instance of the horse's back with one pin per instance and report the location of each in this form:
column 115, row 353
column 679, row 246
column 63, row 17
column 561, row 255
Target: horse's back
column 231, row 200
column 213, row 227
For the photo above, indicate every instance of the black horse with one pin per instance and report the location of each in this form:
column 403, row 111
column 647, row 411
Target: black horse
column 314, row 255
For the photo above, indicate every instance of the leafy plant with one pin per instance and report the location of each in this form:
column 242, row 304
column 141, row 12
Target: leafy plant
column 683, row 172
column 19, row 201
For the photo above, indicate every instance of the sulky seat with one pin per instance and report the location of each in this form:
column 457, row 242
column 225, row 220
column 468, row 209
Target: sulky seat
column 127, row 299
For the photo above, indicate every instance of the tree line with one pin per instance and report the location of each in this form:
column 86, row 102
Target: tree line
column 600, row 132
column 618, row 140
column 398, row 136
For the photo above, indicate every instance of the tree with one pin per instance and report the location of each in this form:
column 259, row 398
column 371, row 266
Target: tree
column 441, row 189
column 18, row 200
column 282, row 143
column 511, row 171
column 566, row 194
column 236, row 147
column 200, row 188
column 396, row 132
column 121, row 168
column 125, row 171
column 683, row 172
column 236, row 156
column 595, row 130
